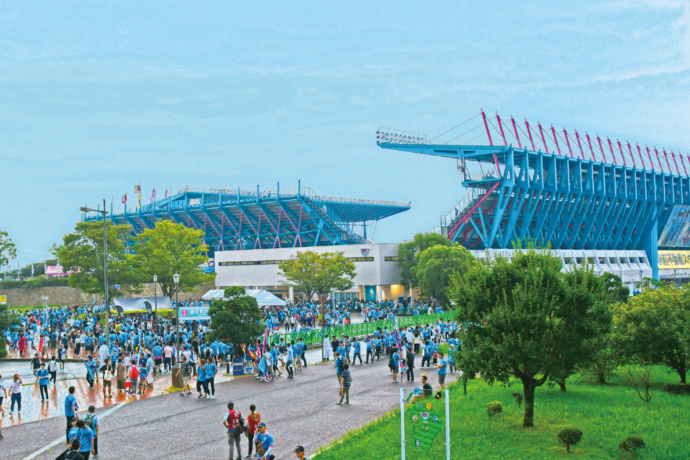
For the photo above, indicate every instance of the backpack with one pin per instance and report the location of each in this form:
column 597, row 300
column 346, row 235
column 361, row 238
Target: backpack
column 134, row 373
column 89, row 419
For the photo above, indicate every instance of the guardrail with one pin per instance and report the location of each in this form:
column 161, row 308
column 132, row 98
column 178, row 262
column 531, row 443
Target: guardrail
column 359, row 329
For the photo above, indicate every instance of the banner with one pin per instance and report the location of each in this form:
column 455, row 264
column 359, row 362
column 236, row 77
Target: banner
column 669, row 260
column 141, row 304
column 194, row 314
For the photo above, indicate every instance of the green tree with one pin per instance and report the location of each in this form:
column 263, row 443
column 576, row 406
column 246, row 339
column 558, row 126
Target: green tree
column 318, row 274
column 7, row 320
column 652, row 327
column 82, row 254
column 523, row 320
column 8, row 251
column 408, row 251
column 236, row 320
column 437, row 264
column 171, row 248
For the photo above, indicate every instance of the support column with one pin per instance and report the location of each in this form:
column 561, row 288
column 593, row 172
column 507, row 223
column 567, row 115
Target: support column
column 291, row 294
column 652, row 250
column 378, row 293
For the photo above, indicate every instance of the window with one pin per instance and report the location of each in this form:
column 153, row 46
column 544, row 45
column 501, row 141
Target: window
column 360, row 259
column 391, row 258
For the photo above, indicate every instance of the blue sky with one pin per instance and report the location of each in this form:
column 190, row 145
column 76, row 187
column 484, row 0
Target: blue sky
column 96, row 96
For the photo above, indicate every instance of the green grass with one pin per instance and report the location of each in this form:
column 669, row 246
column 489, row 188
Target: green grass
column 606, row 414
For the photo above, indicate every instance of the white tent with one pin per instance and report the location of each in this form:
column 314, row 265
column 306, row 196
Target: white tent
column 263, row 297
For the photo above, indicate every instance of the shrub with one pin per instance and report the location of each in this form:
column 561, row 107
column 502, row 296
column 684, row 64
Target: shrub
column 518, row 398
column 493, row 408
column 569, row 437
column 632, row 444
column 677, row 389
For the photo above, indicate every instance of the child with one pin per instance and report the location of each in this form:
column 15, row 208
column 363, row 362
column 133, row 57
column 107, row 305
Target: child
column 143, row 373
column 345, row 382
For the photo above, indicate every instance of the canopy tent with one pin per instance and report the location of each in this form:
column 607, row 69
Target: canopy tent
column 141, row 304
column 263, row 297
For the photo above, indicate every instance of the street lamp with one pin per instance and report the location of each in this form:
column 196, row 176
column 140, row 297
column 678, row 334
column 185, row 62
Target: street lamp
column 155, row 302
column 45, row 301
column 176, row 279
column 105, row 267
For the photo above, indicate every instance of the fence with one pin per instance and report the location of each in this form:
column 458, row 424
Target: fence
column 359, row 329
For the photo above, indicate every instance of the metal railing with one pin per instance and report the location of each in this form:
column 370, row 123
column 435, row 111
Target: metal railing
column 399, row 136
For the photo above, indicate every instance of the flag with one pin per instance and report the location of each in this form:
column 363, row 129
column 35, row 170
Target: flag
column 137, row 189
column 153, row 195
column 166, row 193
column 124, row 199
column 32, row 268
column 140, row 200
column 116, row 287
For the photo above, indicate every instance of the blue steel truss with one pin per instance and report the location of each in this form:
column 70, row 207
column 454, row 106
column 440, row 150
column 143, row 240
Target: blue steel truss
column 567, row 202
column 234, row 219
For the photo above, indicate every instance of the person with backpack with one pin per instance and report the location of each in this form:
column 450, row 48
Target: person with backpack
column 201, row 380
column 71, row 408
column 234, row 422
column 53, row 368
column 394, row 364
column 409, row 364
column 91, row 421
column 133, row 377
column 107, row 371
column 73, row 451
column 345, row 384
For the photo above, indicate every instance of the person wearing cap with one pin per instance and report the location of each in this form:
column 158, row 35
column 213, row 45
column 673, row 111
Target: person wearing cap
column 299, row 452
column 264, row 438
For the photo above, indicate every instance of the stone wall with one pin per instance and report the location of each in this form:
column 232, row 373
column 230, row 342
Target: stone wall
column 64, row 295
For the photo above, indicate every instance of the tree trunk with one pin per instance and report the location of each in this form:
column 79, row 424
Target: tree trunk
column 561, row 383
column 683, row 375
column 601, row 377
column 528, row 393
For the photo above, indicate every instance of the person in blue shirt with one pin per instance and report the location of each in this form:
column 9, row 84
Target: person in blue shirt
column 442, row 369
column 338, row 365
column 42, row 380
column 90, row 370
column 201, row 380
column 85, row 436
column 71, row 408
column 266, row 440
column 357, row 347
column 394, row 365
column 210, row 374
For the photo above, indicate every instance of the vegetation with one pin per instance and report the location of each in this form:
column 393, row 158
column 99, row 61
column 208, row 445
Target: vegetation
column 494, row 408
column 569, row 437
column 235, row 320
column 82, row 254
column 408, row 255
column 7, row 320
column 437, row 264
column 171, row 248
column 526, row 319
column 605, row 413
column 33, row 283
column 8, row 250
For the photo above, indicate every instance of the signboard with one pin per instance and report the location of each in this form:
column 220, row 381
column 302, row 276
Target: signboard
column 669, row 260
column 3, row 299
column 141, row 304
column 194, row 314
column 424, row 424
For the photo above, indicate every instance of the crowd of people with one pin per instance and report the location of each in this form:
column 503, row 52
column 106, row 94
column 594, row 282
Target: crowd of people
column 143, row 347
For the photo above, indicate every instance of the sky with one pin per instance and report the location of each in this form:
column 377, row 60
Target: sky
column 97, row 96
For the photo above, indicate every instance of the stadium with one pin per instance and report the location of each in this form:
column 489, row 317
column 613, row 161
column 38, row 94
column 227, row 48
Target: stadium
column 621, row 209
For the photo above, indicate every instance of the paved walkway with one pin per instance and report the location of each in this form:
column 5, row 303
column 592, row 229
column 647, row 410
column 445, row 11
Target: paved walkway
column 298, row 411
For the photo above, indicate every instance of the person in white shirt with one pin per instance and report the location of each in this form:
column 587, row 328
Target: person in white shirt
column 15, row 389
column 326, row 349
column 103, row 352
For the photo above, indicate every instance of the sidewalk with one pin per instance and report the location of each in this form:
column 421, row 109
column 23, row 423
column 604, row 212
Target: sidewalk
column 33, row 409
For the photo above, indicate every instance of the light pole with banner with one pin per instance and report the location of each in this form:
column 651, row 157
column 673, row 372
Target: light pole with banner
column 176, row 279
column 105, row 267
column 155, row 302
column 45, row 301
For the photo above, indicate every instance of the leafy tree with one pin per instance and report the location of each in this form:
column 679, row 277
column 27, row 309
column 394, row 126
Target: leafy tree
column 236, row 320
column 318, row 274
column 171, row 248
column 614, row 289
column 652, row 328
column 408, row 251
column 524, row 320
column 436, row 266
column 7, row 320
column 8, row 251
column 82, row 254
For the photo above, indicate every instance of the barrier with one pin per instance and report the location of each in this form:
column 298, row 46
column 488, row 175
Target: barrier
column 359, row 329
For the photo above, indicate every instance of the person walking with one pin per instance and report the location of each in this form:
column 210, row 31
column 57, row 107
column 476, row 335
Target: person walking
column 233, row 422
column 42, row 381
column 201, row 380
column 409, row 364
column 107, row 371
column 53, row 368
column 72, row 452
column 91, row 421
column 299, row 453
column 290, row 362
column 253, row 419
column 210, row 371
column 442, row 369
column 346, row 381
column 394, row 365
column 339, row 367
column 356, row 346
column 85, row 436
column 16, row 394
column 71, row 408
column 120, row 375
column 264, row 443
column 186, row 370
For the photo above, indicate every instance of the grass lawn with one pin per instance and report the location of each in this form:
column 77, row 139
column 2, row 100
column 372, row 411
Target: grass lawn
column 606, row 414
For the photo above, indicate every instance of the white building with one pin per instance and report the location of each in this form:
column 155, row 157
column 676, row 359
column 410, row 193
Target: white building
column 378, row 273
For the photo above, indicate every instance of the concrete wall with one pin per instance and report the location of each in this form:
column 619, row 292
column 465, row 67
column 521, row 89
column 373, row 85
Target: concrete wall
column 64, row 295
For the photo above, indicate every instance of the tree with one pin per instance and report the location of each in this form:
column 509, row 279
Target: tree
column 8, row 251
column 236, row 320
column 82, row 254
column 171, row 248
column 523, row 320
column 7, row 320
column 318, row 274
column 408, row 251
column 437, row 264
column 652, row 328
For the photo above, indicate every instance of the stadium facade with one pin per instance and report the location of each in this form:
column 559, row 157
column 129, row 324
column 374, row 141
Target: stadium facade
column 598, row 202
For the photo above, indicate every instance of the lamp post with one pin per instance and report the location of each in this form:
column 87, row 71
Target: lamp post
column 105, row 267
column 45, row 301
column 176, row 279
column 155, row 302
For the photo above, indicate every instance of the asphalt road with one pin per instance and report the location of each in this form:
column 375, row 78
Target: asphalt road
column 299, row 411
